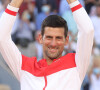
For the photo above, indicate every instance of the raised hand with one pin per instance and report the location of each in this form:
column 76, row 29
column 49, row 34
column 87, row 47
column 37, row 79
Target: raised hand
column 16, row 3
column 71, row 1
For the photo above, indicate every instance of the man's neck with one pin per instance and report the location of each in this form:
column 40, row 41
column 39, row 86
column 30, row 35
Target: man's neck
column 48, row 60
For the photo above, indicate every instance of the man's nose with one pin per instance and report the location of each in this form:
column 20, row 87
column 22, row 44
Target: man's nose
column 53, row 42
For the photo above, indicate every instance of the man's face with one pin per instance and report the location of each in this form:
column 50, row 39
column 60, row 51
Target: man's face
column 53, row 42
column 46, row 8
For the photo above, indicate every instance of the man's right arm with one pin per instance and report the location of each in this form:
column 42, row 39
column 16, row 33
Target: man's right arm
column 8, row 49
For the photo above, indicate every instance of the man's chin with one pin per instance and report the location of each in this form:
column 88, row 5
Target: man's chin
column 53, row 57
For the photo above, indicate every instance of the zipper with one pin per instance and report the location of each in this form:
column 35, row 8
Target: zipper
column 45, row 82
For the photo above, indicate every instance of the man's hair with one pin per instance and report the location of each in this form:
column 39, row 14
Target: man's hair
column 54, row 21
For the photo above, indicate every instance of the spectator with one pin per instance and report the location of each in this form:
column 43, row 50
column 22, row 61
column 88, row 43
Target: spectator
column 58, row 3
column 27, row 26
column 24, row 6
column 39, row 50
column 94, row 74
column 96, row 22
column 86, row 83
column 71, row 47
column 3, row 5
column 32, row 10
column 46, row 11
column 89, row 4
column 53, row 4
column 92, row 11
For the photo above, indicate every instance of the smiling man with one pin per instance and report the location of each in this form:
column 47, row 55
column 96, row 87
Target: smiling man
column 53, row 37
column 54, row 71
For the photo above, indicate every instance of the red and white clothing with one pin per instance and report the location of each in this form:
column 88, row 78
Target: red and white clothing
column 65, row 73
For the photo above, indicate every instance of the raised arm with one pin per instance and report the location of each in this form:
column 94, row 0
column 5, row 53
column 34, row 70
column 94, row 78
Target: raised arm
column 71, row 1
column 85, row 37
column 7, row 48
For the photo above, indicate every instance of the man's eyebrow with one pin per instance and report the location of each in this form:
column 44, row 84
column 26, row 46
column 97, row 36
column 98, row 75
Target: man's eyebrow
column 59, row 37
column 48, row 36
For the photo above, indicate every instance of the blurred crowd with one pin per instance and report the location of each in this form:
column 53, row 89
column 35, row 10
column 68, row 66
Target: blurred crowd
column 27, row 29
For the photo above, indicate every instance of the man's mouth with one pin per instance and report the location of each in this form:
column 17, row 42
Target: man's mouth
column 53, row 50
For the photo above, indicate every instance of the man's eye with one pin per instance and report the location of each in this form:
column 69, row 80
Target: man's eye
column 48, row 37
column 59, row 38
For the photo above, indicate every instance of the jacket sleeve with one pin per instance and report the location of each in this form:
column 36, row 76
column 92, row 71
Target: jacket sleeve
column 8, row 49
column 85, row 38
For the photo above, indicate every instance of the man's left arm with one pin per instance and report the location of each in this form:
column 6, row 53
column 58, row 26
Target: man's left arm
column 85, row 37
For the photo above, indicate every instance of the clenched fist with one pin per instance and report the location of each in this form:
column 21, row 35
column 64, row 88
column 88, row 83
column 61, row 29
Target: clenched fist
column 16, row 3
column 71, row 1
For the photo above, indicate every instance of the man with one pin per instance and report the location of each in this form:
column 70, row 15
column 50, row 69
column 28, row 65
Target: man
column 46, row 11
column 52, row 3
column 96, row 22
column 89, row 4
column 4, row 5
column 54, row 72
column 94, row 74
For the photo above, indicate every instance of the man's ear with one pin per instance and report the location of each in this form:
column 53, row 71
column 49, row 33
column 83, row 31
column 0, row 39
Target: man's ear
column 67, row 39
column 40, row 39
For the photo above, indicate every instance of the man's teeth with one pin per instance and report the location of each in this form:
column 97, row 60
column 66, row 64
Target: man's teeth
column 52, row 48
